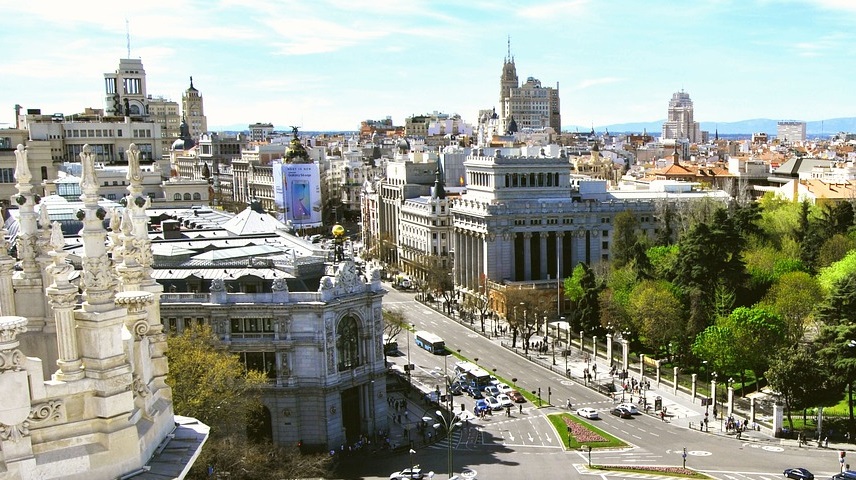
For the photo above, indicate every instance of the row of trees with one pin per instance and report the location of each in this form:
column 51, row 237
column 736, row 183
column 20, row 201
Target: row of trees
column 747, row 288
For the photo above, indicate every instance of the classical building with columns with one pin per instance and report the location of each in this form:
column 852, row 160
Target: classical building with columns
column 82, row 353
column 530, row 219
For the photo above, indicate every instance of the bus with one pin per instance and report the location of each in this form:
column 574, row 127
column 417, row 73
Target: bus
column 474, row 375
column 430, row 342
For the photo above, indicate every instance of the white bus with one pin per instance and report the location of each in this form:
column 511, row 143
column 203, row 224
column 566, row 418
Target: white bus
column 430, row 342
column 474, row 375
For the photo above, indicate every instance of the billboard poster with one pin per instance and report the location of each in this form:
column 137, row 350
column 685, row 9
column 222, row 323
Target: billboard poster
column 297, row 192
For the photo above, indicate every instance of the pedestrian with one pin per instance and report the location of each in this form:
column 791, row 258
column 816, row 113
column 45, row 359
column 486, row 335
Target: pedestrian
column 508, row 411
column 521, row 408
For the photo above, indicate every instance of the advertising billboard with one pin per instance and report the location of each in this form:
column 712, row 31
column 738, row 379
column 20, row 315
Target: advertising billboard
column 297, row 193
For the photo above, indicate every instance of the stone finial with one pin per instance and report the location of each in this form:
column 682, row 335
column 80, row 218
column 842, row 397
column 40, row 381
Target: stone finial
column 135, row 175
column 88, row 181
column 22, row 167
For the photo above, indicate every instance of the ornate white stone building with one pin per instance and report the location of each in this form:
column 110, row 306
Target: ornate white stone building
column 107, row 410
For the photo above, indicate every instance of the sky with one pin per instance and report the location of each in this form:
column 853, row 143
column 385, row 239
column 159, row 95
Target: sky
column 330, row 64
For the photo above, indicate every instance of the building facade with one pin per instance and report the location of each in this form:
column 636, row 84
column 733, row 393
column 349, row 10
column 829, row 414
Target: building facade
column 680, row 123
column 790, row 132
column 529, row 106
column 193, row 109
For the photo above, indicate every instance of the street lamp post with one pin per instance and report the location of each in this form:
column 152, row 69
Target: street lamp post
column 454, row 420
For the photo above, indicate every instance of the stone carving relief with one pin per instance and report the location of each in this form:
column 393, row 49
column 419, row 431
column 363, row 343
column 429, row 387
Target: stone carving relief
column 140, row 388
column 53, row 410
column 218, row 285
column 331, row 346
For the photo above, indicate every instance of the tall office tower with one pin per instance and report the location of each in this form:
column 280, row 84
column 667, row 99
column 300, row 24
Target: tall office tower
column 125, row 89
column 790, row 132
column 680, row 124
column 193, row 111
column 529, row 105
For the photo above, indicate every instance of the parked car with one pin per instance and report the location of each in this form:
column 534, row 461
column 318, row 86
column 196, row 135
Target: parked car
column 481, row 406
column 516, row 396
column 503, row 388
column 493, row 403
column 631, row 407
column 589, row 413
column 491, row 390
column 798, row 474
column 412, row 473
column 474, row 392
column 455, row 388
column 505, row 400
column 621, row 412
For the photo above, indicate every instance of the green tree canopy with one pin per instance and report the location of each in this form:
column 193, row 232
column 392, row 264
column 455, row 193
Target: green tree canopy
column 801, row 379
column 657, row 314
column 210, row 383
column 794, row 297
column 625, row 234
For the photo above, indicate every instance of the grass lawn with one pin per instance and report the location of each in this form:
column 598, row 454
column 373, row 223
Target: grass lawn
column 605, row 441
column 587, row 435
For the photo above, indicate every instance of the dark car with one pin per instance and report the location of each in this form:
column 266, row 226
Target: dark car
column 798, row 474
column 475, row 392
column 455, row 388
column 621, row 412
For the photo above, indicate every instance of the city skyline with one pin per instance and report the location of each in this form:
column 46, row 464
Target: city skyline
column 328, row 65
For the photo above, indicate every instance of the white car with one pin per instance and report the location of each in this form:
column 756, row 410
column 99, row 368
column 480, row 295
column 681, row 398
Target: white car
column 505, row 400
column 493, row 403
column 504, row 388
column 589, row 413
column 491, row 390
column 413, row 473
column 630, row 407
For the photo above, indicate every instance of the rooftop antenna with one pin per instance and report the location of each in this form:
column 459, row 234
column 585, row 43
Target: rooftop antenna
column 128, row 37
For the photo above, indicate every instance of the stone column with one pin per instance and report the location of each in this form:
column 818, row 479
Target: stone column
column 641, row 367
column 609, row 348
column 694, row 385
column 527, row 256
column 713, row 392
column 582, row 343
column 63, row 297
column 675, row 371
column 542, row 253
column 752, row 410
column 625, row 353
column 99, row 321
column 7, row 270
column 29, row 283
column 594, row 348
column 657, row 371
column 560, row 243
column 730, row 399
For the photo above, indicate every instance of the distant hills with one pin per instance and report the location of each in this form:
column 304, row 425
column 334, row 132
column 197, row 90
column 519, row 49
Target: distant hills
column 745, row 127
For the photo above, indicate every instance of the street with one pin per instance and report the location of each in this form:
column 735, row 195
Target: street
column 527, row 443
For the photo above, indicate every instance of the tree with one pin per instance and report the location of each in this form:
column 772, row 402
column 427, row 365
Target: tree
column 716, row 344
column 834, row 249
column 757, row 334
column 840, row 305
column 799, row 376
column 529, row 310
column 211, row 384
column 624, row 238
column 437, row 272
column 393, row 323
column 657, row 314
column 793, row 297
column 837, row 350
column 588, row 304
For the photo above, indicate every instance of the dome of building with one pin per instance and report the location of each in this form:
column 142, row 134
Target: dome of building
column 403, row 145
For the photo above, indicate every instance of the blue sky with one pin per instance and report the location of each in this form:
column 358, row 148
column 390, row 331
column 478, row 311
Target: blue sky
column 328, row 64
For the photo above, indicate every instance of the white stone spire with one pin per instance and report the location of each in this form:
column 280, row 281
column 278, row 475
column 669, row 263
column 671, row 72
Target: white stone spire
column 98, row 282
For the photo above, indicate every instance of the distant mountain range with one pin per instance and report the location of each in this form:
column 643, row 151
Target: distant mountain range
column 744, row 127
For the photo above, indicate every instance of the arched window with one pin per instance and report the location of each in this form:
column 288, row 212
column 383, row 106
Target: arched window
column 177, row 196
column 347, row 344
column 197, row 196
column 187, row 196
